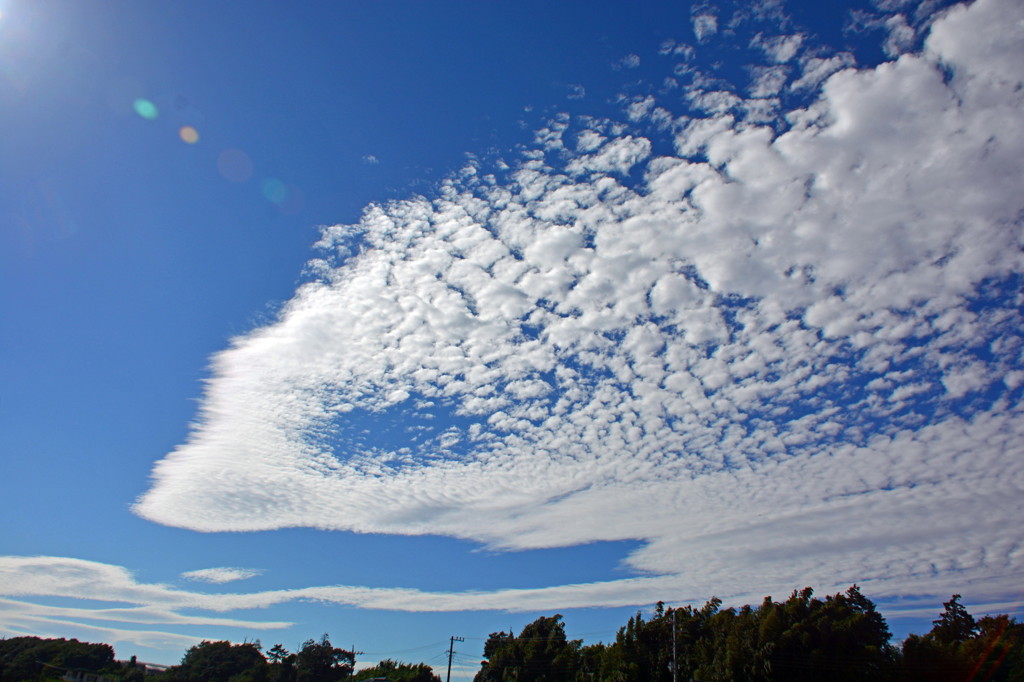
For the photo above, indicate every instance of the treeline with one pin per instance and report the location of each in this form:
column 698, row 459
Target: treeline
column 315, row 661
column 24, row 659
column 28, row 658
column 804, row 639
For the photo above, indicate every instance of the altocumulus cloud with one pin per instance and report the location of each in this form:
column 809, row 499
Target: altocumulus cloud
column 785, row 352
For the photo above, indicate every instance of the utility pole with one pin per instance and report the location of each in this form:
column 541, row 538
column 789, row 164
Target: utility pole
column 675, row 662
column 451, row 650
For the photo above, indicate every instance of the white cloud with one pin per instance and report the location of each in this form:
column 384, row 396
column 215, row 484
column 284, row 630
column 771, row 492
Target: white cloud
column 630, row 61
column 220, row 575
column 754, row 358
column 900, row 35
column 705, row 26
column 779, row 49
column 816, row 69
column 131, row 604
column 617, row 156
column 890, row 5
column 768, row 80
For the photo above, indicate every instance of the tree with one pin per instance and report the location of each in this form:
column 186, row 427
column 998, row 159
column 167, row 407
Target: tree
column 960, row 648
column 132, row 671
column 840, row 638
column 282, row 664
column 954, row 624
column 322, row 662
column 642, row 650
column 22, row 658
column 541, row 653
column 590, row 659
column 498, row 652
column 398, row 672
column 997, row 651
column 224, row 661
column 277, row 653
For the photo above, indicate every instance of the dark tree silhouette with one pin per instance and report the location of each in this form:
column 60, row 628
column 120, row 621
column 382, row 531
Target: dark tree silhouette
column 954, row 624
column 323, row 662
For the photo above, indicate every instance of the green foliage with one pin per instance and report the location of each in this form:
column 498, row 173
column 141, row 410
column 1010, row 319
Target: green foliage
column 316, row 661
column 997, row 650
column 398, row 672
column 221, row 662
column 21, row 657
column 841, row 637
column 541, row 653
column 278, row 654
column 955, row 624
column 960, row 648
column 322, row 662
column 282, row 664
column 836, row 639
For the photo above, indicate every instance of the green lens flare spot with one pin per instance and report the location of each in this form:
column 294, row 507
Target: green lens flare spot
column 145, row 109
column 275, row 191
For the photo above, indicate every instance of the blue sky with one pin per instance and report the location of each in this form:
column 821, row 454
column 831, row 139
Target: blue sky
column 405, row 320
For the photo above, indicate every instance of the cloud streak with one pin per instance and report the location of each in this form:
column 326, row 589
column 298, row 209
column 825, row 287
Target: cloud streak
column 132, row 605
column 783, row 353
column 220, row 575
column 29, row 578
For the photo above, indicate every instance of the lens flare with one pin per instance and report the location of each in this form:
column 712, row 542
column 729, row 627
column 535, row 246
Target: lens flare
column 145, row 109
column 275, row 191
column 234, row 165
column 188, row 134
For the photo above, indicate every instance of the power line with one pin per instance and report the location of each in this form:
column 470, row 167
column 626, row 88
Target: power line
column 392, row 652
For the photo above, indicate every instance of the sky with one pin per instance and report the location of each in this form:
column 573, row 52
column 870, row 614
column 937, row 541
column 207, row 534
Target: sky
column 401, row 321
